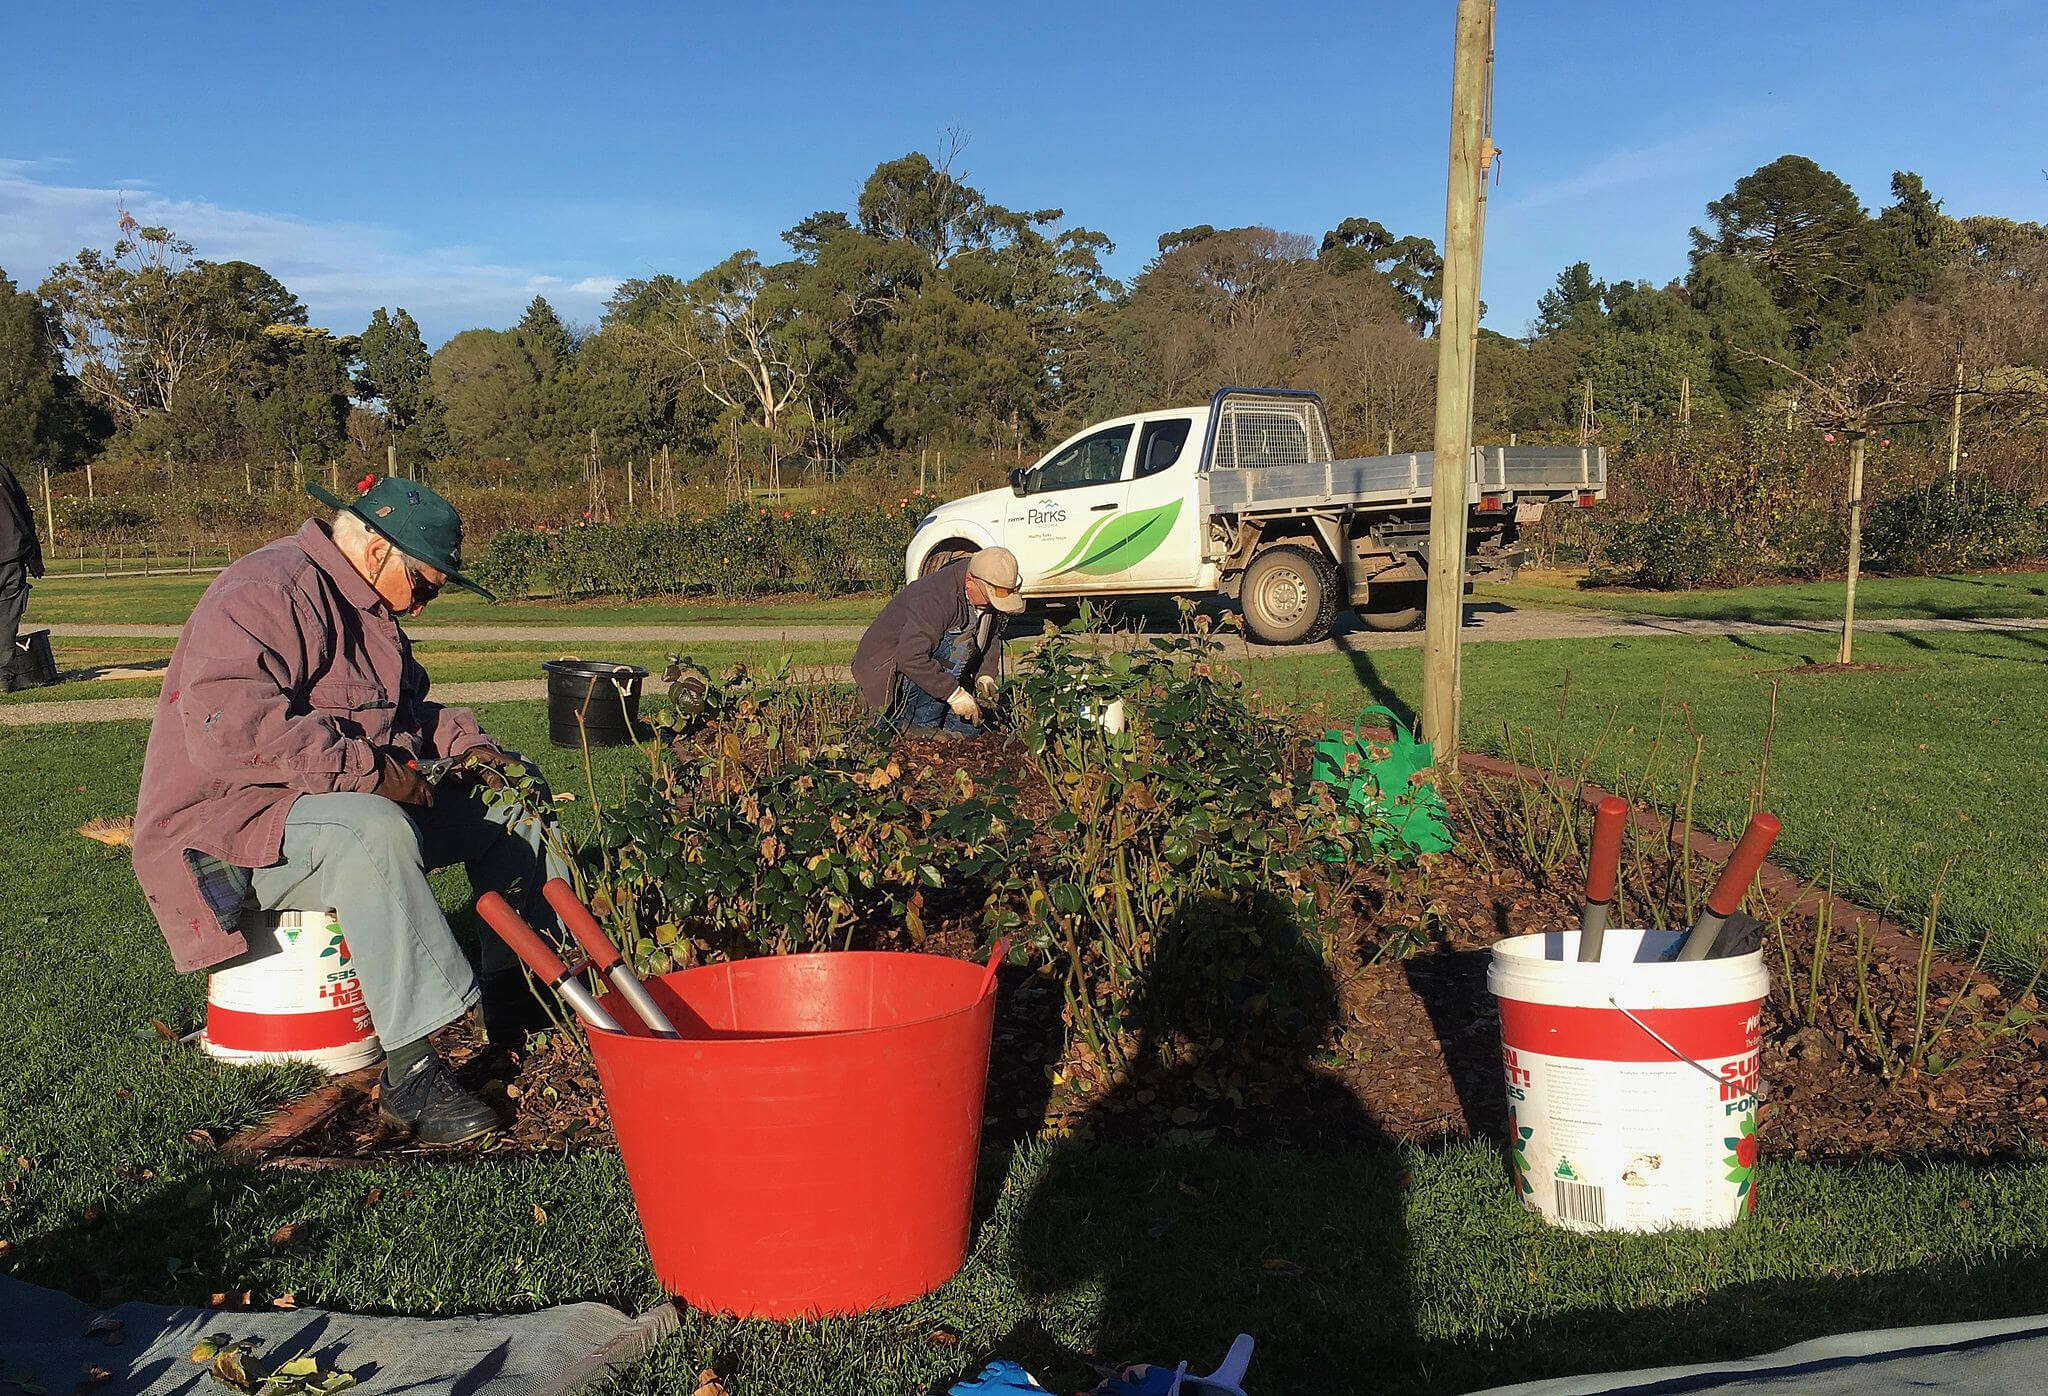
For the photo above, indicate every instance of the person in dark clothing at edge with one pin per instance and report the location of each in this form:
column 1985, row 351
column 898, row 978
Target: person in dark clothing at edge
column 21, row 557
column 937, row 637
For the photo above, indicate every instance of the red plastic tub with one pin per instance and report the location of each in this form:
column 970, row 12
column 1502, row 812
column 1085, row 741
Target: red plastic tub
column 808, row 1147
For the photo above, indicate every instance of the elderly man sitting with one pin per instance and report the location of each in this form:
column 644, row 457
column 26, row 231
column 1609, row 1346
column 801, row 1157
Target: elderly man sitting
column 281, row 771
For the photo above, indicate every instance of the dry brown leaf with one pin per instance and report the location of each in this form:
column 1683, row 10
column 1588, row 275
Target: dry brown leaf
column 108, row 1329
column 540, row 1215
column 287, row 1300
column 163, row 1030
column 285, row 1234
column 943, row 1338
column 114, row 833
column 708, row 1384
column 1285, row 1268
column 373, row 1197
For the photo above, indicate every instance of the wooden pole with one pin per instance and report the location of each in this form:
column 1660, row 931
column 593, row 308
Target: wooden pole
column 1586, row 414
column 1471, row 154
column 49, row 510
column 629, row 484
column 1954, row 428
column 1848, row 650
column 1390, row 441
column 390, row 458
column 90, row 493
column 1685, row 401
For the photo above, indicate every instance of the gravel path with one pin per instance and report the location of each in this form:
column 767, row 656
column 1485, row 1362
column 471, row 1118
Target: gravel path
column 1485, row 622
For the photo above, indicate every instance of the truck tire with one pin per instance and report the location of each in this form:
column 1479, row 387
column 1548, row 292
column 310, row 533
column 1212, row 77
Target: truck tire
column 1288, row 596
column 952, row 550
column 1397, row 606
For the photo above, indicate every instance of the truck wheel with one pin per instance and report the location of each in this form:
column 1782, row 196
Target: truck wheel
column 1397, row 606
column 1289, row 597
column 951, row 551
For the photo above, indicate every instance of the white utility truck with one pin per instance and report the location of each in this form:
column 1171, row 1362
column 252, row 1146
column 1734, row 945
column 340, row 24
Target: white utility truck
column 1243, row 498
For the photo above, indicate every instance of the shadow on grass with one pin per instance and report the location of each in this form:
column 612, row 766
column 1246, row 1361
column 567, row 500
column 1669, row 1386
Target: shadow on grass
column 1228, row 1027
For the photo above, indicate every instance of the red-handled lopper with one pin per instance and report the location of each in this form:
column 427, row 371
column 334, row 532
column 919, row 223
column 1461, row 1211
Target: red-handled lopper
column 1603, row 870
column 540, row 957
column 1728, row 893
column 605, row 955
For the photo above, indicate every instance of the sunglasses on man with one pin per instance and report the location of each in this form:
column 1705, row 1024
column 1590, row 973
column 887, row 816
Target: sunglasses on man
column 424, row 589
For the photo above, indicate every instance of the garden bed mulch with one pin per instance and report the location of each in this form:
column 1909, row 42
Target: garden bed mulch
column 1406, row 1046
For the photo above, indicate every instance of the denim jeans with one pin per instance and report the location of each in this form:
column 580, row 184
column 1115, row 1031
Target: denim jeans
column 912, row 709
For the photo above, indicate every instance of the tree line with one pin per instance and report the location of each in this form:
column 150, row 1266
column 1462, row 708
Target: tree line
column 930, row 317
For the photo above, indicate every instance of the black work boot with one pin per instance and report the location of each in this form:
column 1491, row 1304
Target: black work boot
column 512, row 1010
column 428, row 1102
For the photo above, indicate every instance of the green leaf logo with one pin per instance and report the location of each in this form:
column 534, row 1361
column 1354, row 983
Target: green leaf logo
column 1114, row 544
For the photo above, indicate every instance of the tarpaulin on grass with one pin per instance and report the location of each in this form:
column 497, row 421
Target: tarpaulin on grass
column 50, row 1341
column 2004, row 1357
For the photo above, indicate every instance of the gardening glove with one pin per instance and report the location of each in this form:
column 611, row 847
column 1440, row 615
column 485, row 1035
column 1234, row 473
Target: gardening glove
column 964, row 707
column 488, row 764
column 985, row 688
column 400, row 783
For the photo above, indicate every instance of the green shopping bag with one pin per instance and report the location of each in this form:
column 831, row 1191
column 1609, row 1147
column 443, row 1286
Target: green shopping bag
column 1405, row 812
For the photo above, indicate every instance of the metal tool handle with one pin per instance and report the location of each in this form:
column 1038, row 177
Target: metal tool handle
column 537, row 955
column 1727, row 895
column 1603, row 872
column 606, row 956
column 582, row 925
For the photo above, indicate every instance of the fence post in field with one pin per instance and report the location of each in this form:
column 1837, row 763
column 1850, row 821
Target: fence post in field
column 1855, row 547
column 1954, row 424
column 1471, row 156
column 629, row 483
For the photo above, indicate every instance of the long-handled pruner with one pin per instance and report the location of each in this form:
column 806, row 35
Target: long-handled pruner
column 605, row 956
column 1603, row 870
column 537, row 955
column 1727, row 895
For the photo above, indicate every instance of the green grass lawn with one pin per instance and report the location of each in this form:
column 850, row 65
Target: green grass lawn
column 1968, row 596
column 1406, row 1270
column 168, row 600
column 1897, row 776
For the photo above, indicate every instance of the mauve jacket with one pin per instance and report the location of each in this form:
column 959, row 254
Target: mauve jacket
column 291, row 673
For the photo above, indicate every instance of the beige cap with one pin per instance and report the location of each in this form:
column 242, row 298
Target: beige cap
column 997, row 567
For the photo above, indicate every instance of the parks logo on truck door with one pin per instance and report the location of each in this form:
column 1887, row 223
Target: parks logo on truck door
column 1114, row 545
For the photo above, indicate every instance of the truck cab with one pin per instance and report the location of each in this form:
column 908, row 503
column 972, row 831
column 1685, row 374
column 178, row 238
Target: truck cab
column 1113, row 508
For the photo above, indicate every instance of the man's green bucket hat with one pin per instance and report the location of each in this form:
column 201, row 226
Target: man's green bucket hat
column 413, row 519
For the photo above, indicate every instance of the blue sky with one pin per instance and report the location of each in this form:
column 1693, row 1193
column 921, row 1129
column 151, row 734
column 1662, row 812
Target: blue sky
column 459, row 158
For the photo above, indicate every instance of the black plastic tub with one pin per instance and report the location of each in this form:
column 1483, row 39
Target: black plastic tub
column 592, row 701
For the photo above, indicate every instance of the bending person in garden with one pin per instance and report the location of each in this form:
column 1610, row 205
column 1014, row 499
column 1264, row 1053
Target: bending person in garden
column 934, row 656
column 282, row 773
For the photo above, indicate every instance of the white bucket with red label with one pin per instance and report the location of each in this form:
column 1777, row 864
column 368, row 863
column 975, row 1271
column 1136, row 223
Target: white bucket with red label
column 300, row 1003
column 1633, row 1083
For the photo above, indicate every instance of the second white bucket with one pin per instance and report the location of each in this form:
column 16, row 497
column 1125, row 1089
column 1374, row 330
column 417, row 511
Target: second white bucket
column 1633, row 1083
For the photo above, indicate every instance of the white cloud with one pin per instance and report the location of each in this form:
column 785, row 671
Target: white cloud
column 1699, row 148
column 342, row 271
